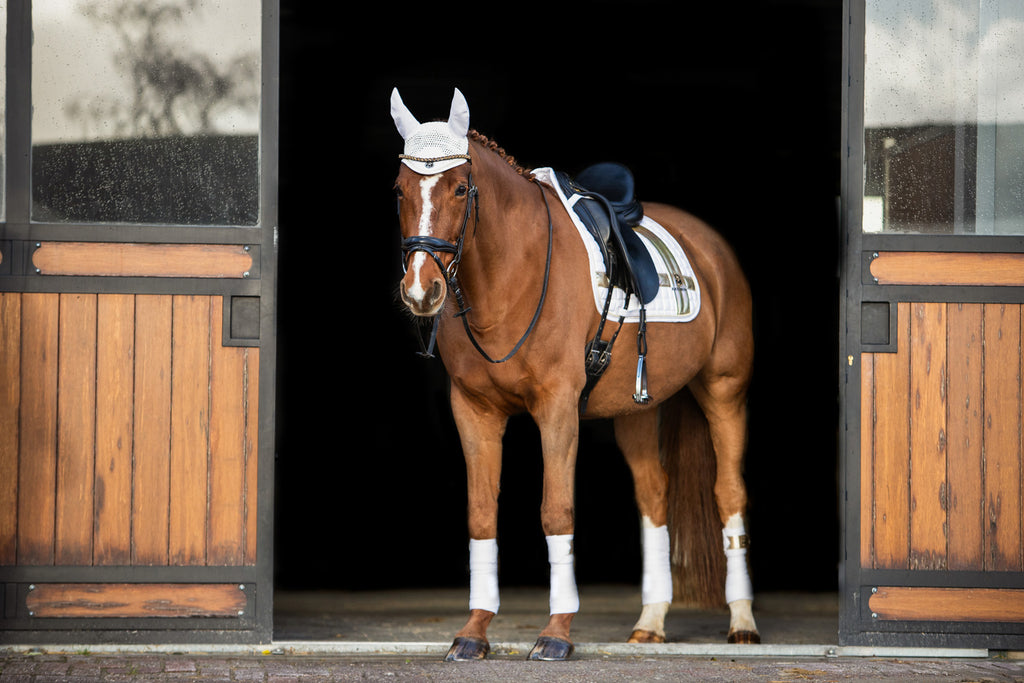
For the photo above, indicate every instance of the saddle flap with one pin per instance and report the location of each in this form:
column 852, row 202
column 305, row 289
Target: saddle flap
column 610, row 211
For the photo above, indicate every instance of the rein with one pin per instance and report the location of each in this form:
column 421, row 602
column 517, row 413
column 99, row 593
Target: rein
column 433, row 245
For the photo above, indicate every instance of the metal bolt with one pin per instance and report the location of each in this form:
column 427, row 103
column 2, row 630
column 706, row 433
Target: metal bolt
column 874, row 615
column 874, row 590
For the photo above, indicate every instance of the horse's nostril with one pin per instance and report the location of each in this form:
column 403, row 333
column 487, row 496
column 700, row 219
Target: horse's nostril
column 436, row 292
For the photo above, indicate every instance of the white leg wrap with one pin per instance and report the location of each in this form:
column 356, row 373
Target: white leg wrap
column 483, row 575
column 737, row 580
column 564, row 598
column 657, row 570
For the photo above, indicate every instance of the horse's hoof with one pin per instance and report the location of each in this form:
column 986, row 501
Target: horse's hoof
column 549, row 649
column 642, row 636
column 466, row 649
column 745, row 637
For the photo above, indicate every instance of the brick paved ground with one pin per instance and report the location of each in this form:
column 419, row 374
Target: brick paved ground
column 167, row 668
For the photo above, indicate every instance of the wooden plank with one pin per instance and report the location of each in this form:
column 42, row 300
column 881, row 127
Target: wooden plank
column 76, row 429
column 892, row 450
column 125, row 600
column 867, row 454
column 143, row 260
column 151, row 480
column 190, row 430
column 37, row 473
column 1002, row 359
column 10, row 393
column 252, row 489
column 939, row 268
column 115, row 370
column 965, row 438
column 903, row 603
column 928, row 436
column 227, row 449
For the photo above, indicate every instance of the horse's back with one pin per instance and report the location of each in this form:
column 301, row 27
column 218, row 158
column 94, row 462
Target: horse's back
column 725, row 291
column 713, row 259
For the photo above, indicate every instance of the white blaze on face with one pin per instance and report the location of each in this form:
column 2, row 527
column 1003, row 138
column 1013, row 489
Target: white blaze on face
column 424, row 229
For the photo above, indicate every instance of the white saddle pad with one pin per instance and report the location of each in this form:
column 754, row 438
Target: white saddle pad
column 678, row 298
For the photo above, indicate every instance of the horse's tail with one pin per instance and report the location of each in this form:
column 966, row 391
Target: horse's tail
column 695, row 528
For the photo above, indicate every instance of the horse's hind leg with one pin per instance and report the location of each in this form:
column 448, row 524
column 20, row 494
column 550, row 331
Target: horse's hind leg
column 637, row 437
column 723, row 401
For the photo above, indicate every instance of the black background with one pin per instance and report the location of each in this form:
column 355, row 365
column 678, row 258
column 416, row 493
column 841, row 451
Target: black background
column 730, row 110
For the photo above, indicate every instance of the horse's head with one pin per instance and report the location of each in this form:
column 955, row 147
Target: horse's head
column 435, row 199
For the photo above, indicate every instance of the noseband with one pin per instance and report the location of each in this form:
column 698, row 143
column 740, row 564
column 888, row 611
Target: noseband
column 433, row 246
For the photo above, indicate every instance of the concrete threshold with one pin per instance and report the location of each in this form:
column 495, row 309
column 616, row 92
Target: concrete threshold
column 503, row 649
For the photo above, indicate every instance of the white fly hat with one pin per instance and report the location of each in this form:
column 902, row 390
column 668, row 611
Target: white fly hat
column 436, row 146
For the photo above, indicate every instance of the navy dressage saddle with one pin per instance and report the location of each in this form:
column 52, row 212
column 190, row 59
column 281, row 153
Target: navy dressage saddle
column 609, row 210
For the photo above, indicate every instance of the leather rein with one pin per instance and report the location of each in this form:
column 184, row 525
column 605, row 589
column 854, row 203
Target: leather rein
column 433, row 246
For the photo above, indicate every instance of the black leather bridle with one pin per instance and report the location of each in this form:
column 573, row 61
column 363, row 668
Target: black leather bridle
column 433, row 246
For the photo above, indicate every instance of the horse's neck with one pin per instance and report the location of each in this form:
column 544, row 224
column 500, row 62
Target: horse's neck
column 508, row 245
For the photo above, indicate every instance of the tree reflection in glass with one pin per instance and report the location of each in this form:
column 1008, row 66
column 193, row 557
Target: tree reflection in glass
column 146, row 111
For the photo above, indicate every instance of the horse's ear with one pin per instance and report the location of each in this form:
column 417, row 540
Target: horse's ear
column 458, row 118
column 404, row 119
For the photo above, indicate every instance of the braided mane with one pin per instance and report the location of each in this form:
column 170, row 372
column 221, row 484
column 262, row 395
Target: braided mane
column 487, row 143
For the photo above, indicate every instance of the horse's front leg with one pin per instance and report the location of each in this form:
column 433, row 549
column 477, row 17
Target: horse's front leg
column 559, row 427
column 480, row 430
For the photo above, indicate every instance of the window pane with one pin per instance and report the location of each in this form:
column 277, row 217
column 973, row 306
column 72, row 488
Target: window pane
column 944, row 116
column 146, row 111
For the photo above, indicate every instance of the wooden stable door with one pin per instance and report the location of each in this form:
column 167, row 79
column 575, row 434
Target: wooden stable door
column 931, row 337
column 129, row 465
column 137, row 263
column 937, row 484
column 941, row 467
column 940, row 441
column 128, row 432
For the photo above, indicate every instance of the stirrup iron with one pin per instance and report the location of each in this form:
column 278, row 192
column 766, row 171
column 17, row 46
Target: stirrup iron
column 640, row 394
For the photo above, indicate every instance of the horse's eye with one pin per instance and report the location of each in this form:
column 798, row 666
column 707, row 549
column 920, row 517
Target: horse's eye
column 461, row 191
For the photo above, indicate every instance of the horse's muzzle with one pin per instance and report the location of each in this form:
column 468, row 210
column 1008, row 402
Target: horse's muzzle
column 423, row 299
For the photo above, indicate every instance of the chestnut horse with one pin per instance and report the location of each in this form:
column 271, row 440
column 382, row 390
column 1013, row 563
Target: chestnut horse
column 493, row 257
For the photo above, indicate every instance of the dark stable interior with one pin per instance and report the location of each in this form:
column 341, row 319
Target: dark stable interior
column 729, row 110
